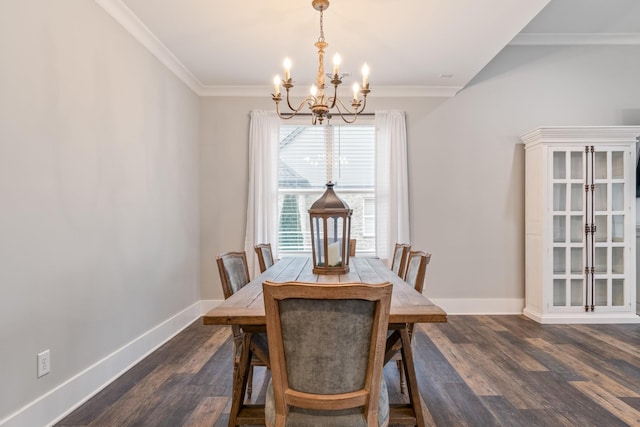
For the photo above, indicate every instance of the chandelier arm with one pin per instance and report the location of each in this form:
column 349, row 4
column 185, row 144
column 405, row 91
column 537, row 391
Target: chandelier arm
column 338, row 103
column 299, row 106
column 282, row 116
column 345, row 116
column 309, row 99
column 335, row 96
column 293, row 111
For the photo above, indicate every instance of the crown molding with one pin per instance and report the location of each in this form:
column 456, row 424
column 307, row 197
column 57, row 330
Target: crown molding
column 132, row 24
column 379, row 91
column 416, row 91
column 575, row 39
column 125, row 17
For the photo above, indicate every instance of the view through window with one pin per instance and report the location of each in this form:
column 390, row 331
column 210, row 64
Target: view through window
column 310, row 156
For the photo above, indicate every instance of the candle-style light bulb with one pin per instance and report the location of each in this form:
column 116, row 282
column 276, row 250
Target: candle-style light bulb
column 356, row 89
column 365, row 75
column 276, row 85
column 314, row 90
column 287, row 69
column 336, row 63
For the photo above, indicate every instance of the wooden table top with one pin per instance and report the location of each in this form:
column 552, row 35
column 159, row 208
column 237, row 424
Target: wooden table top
column 246, row 307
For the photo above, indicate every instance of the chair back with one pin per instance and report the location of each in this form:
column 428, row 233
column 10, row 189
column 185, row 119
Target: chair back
column 234, row 272
column 400, row 253
column 417, row 262
column 352, row 247
column 265, row 256
column 327, row 345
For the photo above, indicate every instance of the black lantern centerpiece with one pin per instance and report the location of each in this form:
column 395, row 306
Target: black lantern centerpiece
column 330, row 220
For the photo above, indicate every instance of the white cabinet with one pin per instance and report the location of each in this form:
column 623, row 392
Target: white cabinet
column 580, row 215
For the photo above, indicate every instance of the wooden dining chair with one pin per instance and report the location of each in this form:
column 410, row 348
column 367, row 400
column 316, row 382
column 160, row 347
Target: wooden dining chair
column 417, row 262
column 398, row 262
column 265, row 256
column 327, row 344
column 352, row 247
column 234, row 275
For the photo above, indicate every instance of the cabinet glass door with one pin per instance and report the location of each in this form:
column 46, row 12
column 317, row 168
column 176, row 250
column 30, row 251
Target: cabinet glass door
column 568, row 222
column 610, row 219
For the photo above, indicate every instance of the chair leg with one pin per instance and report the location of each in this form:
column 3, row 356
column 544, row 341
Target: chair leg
column 250, row 382
column 403, row 381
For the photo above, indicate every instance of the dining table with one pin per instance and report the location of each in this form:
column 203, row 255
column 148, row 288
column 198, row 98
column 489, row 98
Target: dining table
column 246, row 309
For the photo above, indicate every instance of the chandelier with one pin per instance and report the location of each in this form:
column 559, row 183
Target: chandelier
column 322, row 106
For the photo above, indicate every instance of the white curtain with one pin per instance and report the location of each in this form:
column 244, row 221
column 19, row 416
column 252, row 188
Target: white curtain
column 392, row 182
column 262, row 203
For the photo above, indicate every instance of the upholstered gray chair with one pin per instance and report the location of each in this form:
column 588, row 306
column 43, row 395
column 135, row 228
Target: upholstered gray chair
column 327, row 344
column 417, row 262
column 265, row 256
column 398, row 262
column 234, row 274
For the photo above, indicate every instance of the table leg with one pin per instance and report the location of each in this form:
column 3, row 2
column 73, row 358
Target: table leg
column 393, row 345
column 412, row 380
column 240, row 377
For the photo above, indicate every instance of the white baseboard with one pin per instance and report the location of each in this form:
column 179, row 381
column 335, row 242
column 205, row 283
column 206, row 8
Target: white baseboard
column 582, row 317
column 480, row 305
column 59, row 402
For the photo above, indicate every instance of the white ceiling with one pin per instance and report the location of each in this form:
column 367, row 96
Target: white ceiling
column 413, row 47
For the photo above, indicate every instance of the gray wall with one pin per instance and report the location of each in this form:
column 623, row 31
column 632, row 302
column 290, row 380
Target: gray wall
column 466, row 162
column 99, row 193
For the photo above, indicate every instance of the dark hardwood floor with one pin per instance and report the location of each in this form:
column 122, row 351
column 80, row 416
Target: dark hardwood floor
column 473, row 371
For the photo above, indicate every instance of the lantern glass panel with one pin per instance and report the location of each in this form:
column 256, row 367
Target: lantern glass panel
column 318, row 240
column 335, row 226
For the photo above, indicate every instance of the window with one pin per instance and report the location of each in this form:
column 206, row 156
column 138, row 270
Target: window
column 368, row 216
column 310, row 156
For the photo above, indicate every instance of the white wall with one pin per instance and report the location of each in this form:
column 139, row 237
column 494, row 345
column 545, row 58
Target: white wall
column 466, row 164
column 99, row 193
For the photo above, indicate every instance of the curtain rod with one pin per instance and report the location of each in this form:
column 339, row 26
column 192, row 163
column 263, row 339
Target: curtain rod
column 338, row 115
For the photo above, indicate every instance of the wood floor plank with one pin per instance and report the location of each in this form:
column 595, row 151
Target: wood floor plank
column 575, row 357
column 488, row 372
column 573, row 405
column 430, row 362
column 135, row 400
column 172, row 405
column 472, row 371
column 458, row 355
column 508, row 415
column 202, row 353
column 609, row 401
column 207, row 412
column 490, row 322
column 634, row 402
column 217, row 372
column 624, row 346
column 449, row 330
column 485, row 336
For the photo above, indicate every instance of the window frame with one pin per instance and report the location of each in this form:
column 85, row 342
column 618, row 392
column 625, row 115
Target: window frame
column 368, row 193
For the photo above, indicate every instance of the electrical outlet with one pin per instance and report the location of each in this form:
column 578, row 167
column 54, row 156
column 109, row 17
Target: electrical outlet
column 44, row 363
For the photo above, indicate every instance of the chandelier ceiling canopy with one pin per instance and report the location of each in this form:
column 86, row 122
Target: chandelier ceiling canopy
column 322, row 105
